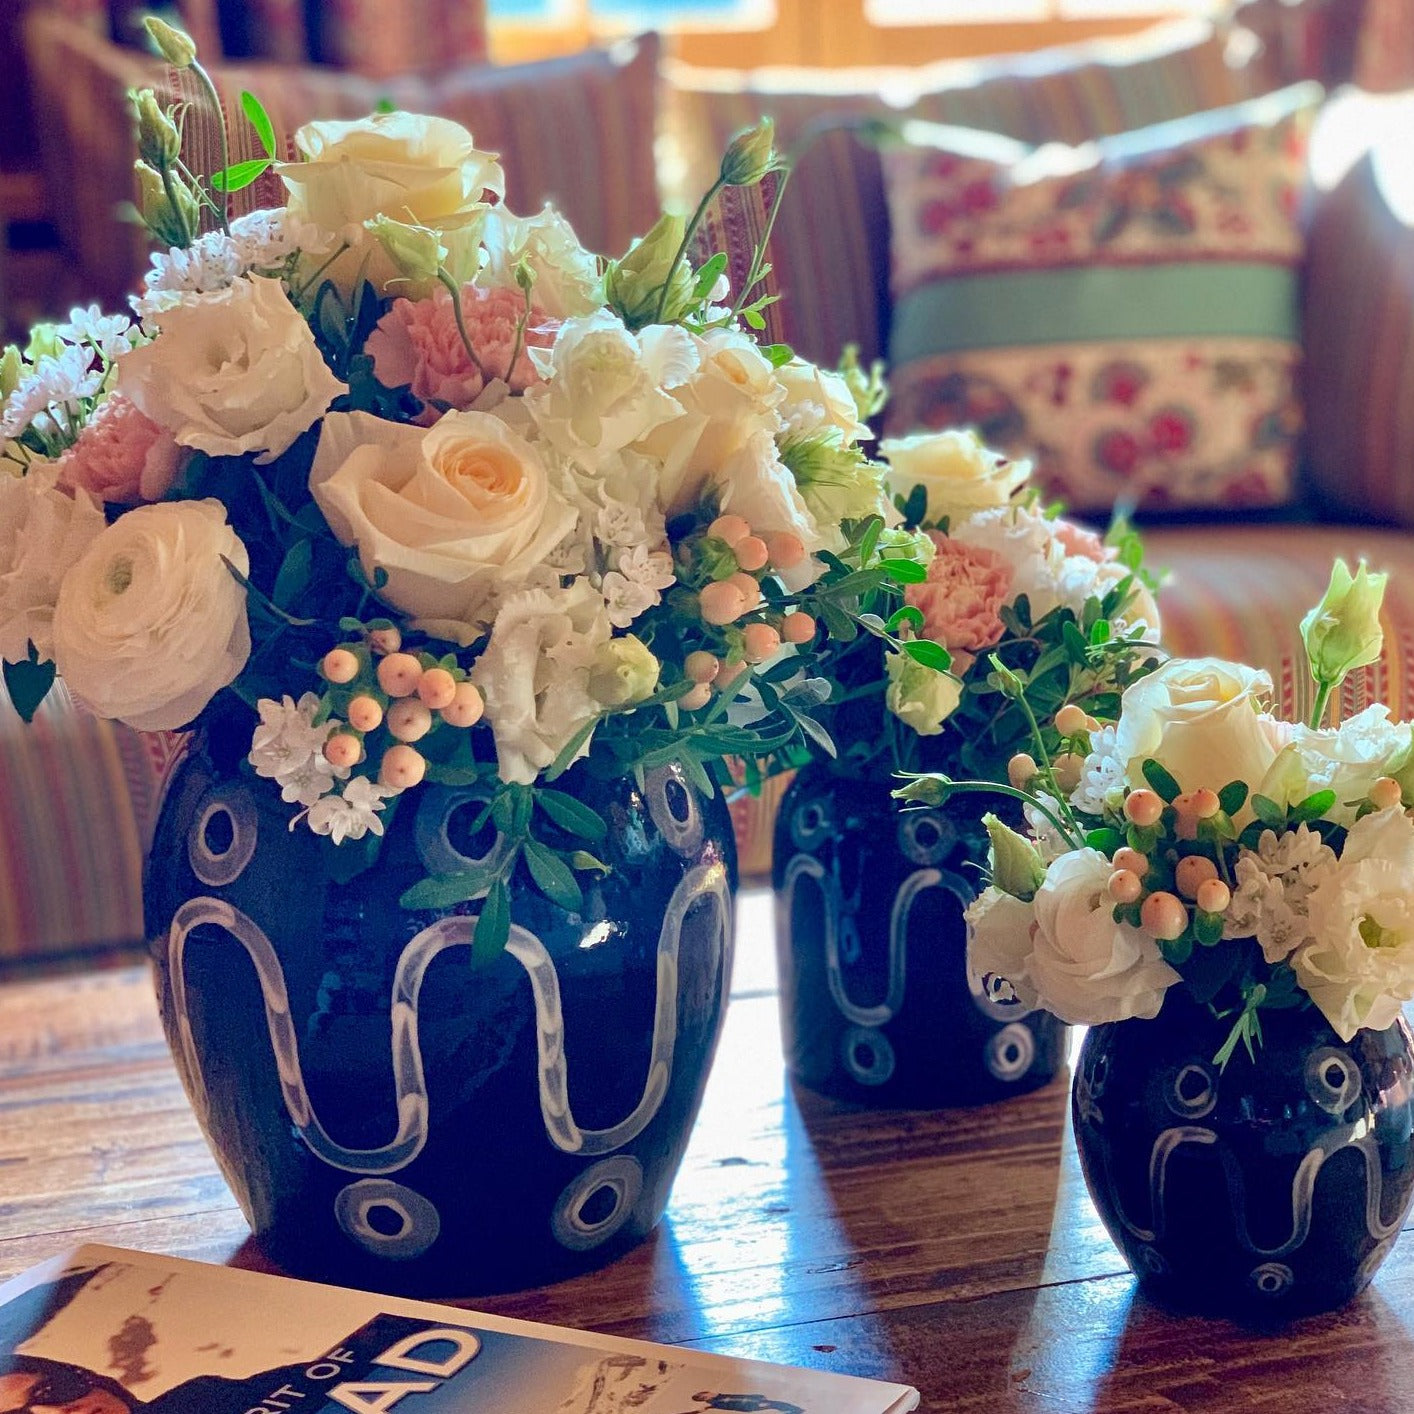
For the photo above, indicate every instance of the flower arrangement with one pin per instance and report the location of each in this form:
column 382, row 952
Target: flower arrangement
column 999, row 589
column 437, row 494
column 1208, row 845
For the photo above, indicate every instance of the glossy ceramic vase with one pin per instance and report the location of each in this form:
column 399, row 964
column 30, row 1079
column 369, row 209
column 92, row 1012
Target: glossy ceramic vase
column 1268, row 1189
column 386, row 1113
column 876, row 1002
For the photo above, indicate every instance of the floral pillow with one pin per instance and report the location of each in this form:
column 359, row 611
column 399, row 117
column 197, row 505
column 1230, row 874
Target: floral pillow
column 1124, row 313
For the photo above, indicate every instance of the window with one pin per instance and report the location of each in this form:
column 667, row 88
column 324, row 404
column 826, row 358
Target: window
column 632, row 14
column 923, row 12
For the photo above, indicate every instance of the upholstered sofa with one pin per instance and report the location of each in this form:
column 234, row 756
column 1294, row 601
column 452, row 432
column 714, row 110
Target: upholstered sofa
column 1237, row 582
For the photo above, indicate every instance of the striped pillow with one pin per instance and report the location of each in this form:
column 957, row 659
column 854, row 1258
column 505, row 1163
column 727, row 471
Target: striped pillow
column 830, row 239
column 1124, row 313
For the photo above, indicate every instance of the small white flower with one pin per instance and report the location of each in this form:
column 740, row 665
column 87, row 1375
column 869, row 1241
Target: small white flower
column 626, row 600
column 349, row 816
column 1274, row 883
column 110, row 334
column 288, row 748
column 210, row 263
column 1049, row 841
column 264, row 240
column 49, row 396
column 1102, row 776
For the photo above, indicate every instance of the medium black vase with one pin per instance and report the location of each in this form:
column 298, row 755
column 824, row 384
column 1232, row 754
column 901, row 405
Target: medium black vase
column 876, row 1001
column 386, row 1113
column 1268, row 1189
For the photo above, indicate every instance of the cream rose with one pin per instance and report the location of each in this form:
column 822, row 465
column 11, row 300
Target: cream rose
column 1358, row 963
column 1199, row 718
column 959, row 473
column 567, row 281
column 43, row 533
column 457, row 514
column 151, row 623
column 536, row 674
column 1085, row 967
column 231, row 372
column 419, row 170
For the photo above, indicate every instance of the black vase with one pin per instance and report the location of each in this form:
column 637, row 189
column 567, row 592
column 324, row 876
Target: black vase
column 389, row 1115
column 1268, row 1189
column 876, row 1001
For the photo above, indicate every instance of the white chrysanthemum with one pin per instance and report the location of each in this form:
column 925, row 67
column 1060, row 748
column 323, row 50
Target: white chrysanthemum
column 1102, row 776
column 265, row 239
column 212, row 262
column 110, row 334
column 1273, row 885
column 289, row 749
column 349, row 816
column 50, row 394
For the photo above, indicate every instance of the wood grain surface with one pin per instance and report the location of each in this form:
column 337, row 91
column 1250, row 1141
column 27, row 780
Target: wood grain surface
column 955, row 1250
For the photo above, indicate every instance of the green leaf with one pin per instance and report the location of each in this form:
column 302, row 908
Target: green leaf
column 1177, row 951
column 915, row 507
column 293, row 577
column 493, row 927
column 778, row 355
column 909, row 614
column 571, row 815
column 581, row 859
column 1233, row 797
column 239, row 175
column 1314, row 806
column 707, row 275
column 754, row 319
column 818, row 735
column 553, row 877
column 570, row 750
column 259, row 119
column 1160, row 781
column 1075, row 643
column 1269, row 812
column 929, row 654
column 28, row 684
column 1106, row 840
column 444, row 891
column 904, row 571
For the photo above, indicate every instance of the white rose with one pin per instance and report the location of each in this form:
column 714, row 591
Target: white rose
column 605, row 388
column 817, row 400
column 959, row 473
column 1358, row 964
column 1347, row 759
column 1199, row 718
column 535, row 675
column 999, row 943
column 1087, row 968
column 457, row 513
column 415, row 169
column 151, row 623
column 43, row 533
column 567, row 282
column 231, row 372
column 731, row 398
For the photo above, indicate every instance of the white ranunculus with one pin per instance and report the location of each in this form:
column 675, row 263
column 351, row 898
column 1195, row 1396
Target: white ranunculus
column 999, row 942
column 231, row 372
column 1198, row 717
column 1087, row 968
column 458, row 514
column 731, row 398
column 567, row 281
column 606, row 388
column 1358, row 964
column 960, row 474
column 415, row 169
column 536, row 672
column 151, row 623
column 818, row 400
column 43, row 533
column 1347, row 759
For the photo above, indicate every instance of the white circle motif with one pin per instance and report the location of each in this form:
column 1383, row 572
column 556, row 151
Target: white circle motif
column 218, row 868
column 868, row 1055
column 418, row 1222
column 622, row 1176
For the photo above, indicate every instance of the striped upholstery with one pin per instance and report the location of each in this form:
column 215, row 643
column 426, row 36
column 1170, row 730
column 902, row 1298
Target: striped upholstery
column 578, row 131
column 1359, row 335
column 833, row 226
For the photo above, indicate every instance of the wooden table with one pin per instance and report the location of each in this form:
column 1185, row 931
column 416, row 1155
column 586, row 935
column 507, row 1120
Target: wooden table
column 954, row 1250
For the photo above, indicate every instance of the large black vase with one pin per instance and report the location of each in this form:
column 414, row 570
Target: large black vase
column 386, row 1113
column 1268, row 1189
column 876, row 1001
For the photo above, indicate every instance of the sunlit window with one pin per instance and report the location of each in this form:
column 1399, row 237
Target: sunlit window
column 922, row 12
column 634, row 14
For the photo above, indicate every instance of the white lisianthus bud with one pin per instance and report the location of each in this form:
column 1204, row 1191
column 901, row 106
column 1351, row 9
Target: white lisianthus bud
column 1343, row 631
column 177, row 48
column 1017, row 866
column 751, row 155
column 919, row 695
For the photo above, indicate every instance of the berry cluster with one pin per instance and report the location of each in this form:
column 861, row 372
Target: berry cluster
column 379, row 687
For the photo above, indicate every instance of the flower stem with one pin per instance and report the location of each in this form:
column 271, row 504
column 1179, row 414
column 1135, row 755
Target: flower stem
column 683, row 245
column 205, row 80
column 758, row 259
column 1323, row 697
column 456, row 294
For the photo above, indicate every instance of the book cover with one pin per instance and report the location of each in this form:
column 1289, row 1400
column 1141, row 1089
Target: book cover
column 107, row 1331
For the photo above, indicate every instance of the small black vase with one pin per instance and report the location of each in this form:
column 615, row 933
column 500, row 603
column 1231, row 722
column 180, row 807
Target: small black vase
column 876, row 1001
column 389, row 1115
column 1269, row 1189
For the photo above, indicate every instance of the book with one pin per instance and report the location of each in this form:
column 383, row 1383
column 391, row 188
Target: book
column 108, row 1331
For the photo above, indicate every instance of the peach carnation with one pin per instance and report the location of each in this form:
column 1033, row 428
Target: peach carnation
column 122, row 456
column 1076, row 540
column 962, row 597
column 417, row 345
